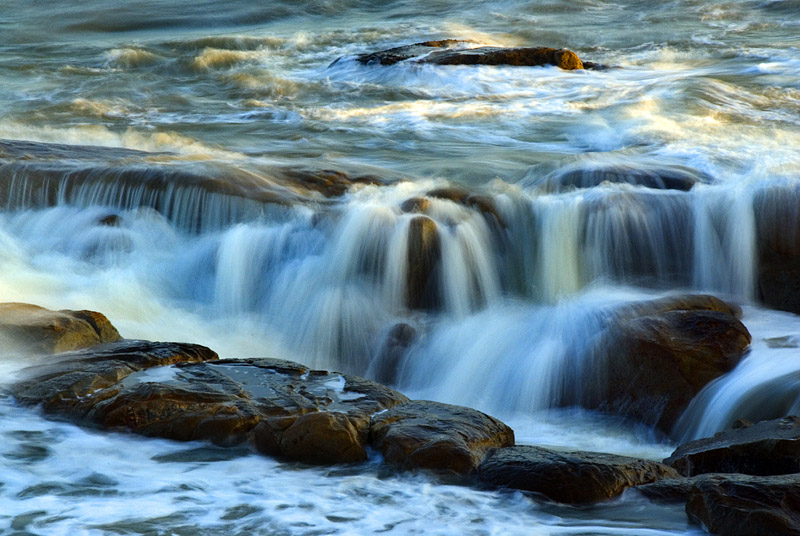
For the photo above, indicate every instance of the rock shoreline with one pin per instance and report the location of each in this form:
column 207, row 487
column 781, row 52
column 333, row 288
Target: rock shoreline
column 185, row 392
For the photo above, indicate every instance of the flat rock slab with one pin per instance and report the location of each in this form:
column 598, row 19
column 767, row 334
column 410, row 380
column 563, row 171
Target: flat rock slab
column 745, row 505
column 455, row 52
column 568, row 477
column 441, row 437
column 182, row 392
column 27, row 328
column 766, row 448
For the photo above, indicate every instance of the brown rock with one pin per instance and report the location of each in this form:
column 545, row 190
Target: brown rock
column 667, row 490
column 416, row 204
column 446, row 52
column 430, row 435
column 285, row 408
column 765, row 448
column 33, row 329
column 424, row 255
column 568, row 477
column 656, row 356
column 743, row 505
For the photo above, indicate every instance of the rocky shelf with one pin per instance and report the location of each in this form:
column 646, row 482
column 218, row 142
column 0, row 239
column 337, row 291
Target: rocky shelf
column 184, row 392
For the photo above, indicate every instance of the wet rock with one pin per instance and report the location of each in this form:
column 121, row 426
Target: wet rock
column 482, row 203
column 75, row 380
column 767, row 448
column 111, row 220
column 453, row 52
column 744, row 505
column 397, row 343
column 423, row 258
column 777, row 216
column 676, row 178
column 328, row 182
column 568, row 477
column 441, row 437
column 182, row 392
column 416, row 204
column 29, row 328
column 667, row 490
column 656, row 356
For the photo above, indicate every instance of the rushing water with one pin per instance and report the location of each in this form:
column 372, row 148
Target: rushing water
column 223, row 98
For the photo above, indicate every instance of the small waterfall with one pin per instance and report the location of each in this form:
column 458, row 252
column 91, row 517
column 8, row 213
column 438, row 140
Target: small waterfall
column 725, row 253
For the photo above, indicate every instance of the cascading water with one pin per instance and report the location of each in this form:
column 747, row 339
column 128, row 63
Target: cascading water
column 465, row 233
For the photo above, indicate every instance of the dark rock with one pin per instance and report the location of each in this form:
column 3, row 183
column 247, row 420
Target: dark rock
column 430, row 435
column 397, row 343
column 328, row 182
column 667, row 490
column 423, row 258
column 451, row 52
column 32, row 329
column 416, row 204
column 284, row 408
column 568, row 477
column 743, row 505
column 675, row 178
column 656, row 356
column 111, row 220
column 777, row 216
column 766, row 448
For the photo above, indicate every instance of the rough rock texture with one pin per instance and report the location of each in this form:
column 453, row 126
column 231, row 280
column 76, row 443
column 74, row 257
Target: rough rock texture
column 452, row 52
column 656, row 356
column 766, row 448
column 430, row 435
column 743, row 505
column 32, row 329
column 285, row 408
column 568, row 477
column 423, row 257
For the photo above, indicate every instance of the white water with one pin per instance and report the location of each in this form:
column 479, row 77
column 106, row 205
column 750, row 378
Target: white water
column 706, row 89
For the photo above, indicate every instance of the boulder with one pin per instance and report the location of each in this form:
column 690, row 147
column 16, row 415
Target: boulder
column 568, row 477
column 423, row 258
column 766, row 448
column 654, row 357
column 441, row 437
column 29, row 328
column 745, row 505
column 183, row 392
column 455, row 52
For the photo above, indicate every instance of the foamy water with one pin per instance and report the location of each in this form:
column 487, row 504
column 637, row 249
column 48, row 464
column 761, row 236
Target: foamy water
column 707, row 91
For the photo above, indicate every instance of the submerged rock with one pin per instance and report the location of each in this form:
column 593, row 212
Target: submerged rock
column 668, row 178
column 744, row 505
column 442, row 437
column 454, row 52
column 29, row 328
column 766, row 448
column 656, row 356
column 569, row 477
column 398, row 341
